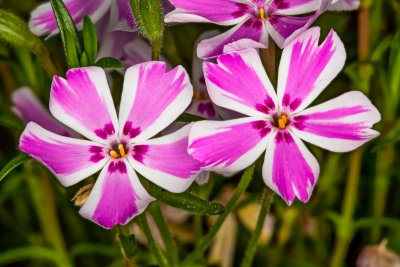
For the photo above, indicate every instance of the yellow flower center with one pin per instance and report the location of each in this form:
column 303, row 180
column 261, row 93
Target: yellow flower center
column 263, row 15
column 282, row 122
column 118, row 154
column 198, row 95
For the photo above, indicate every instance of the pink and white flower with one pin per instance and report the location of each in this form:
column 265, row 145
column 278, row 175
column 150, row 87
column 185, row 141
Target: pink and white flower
column 43, row 21
column 29, row 108
column 254, row 20
column 277, row 122
column 152, row 98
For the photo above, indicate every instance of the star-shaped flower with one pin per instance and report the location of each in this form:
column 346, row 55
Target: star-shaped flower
column 119, row 146
column 277, row 122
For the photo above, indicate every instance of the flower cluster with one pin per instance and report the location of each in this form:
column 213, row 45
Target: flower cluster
column 273, row 123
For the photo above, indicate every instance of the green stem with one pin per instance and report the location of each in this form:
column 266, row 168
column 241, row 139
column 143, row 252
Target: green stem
column 125, row 231
column 165, row 234
column 156, row 50
column 205, row 242
column 382, row 183
column 345, row 227
column 251, row 249
column 44, row 201
column 268, row 58
column 153, row 246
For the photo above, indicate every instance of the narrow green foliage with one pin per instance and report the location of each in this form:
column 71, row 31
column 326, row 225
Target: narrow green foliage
column 109, row 63
column 185, row 201
column 252, row 246
column 68, row 32
column 12, row 164
column 205, row 242
column 15, row 32
column 149, row 17
column 393, row 75
column 154, row 247
column 31, row 252
column 90, row 40
column 84, row 60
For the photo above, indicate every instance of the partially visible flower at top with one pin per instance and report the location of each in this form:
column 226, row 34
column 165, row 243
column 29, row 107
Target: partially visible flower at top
column 115, row 25
column 151, row 99
column 29, row 108
column 344, row 5
column 277, row 121
column 43, row 21
column 254, row 20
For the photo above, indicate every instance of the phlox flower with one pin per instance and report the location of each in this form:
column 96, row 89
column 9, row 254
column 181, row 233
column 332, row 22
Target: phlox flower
column 118, row 146
column 115, row 25
column 276, row 122
column 28, row 108
column 119, row 12
column 254, row 20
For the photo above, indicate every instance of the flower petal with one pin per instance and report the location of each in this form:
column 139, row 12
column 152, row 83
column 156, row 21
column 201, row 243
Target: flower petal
column 117, row 196
column 239, row 82
column 29, row 108
column 203, row 108
column 250, row 29
column 166, row 162
column 198, row 81
column 284, row 28
column 112, row 44
column 242, row 44
column 229, row 146
column 203, row 177
column 289, row 168
column 43, row 21
column 340, row 125
column 306, row 68
column 83, row 102
column 222, row 12
column 122, row 18
column 152, row 99
column 293, row 7
column 345, row 5
column 71, row 160
column 136, row 52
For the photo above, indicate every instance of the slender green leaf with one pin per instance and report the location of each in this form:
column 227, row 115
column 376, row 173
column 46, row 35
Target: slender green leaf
column 185, row 201
column 84, row 60
column 90, row 40
column 187, row 117
column 16, row 32
column 31, row 252
column 109, row 63
column 68, row 32
column 85, row 249
column 12, row 164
